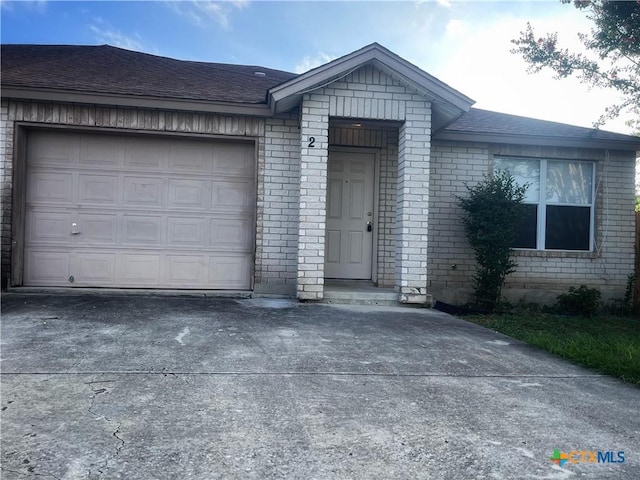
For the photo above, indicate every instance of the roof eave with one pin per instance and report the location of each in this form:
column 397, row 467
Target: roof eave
column 538, row 140
column 107, row 99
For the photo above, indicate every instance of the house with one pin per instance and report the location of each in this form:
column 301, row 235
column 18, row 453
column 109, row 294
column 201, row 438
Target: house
column 128, row 170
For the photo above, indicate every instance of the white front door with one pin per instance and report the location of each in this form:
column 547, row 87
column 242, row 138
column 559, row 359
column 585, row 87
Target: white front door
column 349, row 236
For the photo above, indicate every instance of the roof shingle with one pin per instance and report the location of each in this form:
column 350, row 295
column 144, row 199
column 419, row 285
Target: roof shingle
column 487, row 122
column 111, row 70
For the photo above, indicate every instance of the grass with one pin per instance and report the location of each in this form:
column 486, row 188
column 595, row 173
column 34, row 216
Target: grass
column 608, row 344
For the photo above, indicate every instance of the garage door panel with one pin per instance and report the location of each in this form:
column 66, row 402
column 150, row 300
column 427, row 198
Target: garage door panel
column 52, row 149
column 232, row 196
column 143, row 154
column 230, row 271
column 49, row 187
column 183, row 231
column 186, row 270
column 142, row 229
column 231, row 234
column 191, row 157
column 96, row 229
column 94, row 269
column 98, row 189
column 47, row 268
column 234, row 159
column 191, row 194
column 149, row 212
column 143, row 191
column 138, row 270
column 101, row 151
column 48, row 227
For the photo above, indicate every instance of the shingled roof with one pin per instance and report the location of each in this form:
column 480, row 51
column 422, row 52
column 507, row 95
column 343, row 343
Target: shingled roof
column 485, row 125
column 119, row 73
column 110, row 70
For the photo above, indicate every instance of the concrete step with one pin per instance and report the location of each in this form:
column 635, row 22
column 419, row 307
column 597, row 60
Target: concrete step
column 355, row 297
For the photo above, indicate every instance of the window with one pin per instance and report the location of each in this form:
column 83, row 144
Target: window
column 559, row 202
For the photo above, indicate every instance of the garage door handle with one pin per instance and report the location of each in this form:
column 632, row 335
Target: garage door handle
column 74, row 229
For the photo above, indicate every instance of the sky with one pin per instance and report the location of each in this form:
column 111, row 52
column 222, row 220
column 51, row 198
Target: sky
column 465, row 44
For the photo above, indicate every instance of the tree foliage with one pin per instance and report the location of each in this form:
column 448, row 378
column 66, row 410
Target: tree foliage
column 613, row 52
column 494, row 211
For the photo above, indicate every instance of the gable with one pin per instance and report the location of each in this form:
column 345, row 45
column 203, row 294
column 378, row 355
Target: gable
column 447, row 103
column 370, row 93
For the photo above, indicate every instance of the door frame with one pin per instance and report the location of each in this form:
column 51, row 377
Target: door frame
column 376, row 199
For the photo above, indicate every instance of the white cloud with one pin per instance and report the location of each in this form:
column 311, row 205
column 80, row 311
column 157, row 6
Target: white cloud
column 38, row 6
column 213, row 10
column 456, row 27
column 309, row 62
column 116, row 38
column 202, row 11
column 479, row 64
column 444, row 3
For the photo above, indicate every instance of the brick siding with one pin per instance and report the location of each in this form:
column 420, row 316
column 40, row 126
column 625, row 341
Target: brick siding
column 540, row 275
column 277, row 248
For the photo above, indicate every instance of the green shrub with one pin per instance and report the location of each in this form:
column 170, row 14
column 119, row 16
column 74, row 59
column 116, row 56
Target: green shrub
column 582, row 300
column 494, row 211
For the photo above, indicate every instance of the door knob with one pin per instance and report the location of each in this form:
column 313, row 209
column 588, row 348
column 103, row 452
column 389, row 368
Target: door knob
column 74, row 229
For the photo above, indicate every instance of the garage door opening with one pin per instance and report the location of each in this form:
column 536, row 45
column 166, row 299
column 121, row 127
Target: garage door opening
column 138, row 211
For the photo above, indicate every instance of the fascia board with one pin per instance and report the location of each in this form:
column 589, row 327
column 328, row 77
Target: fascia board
column 255, row 110
column 537, row 140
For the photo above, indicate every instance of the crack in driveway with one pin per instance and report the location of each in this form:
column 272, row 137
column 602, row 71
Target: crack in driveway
column 121, row 443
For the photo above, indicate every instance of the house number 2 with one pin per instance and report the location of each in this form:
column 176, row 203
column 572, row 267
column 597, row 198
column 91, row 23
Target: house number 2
column 312, row 142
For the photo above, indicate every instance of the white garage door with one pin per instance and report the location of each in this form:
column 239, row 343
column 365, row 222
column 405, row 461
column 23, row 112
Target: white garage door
column 138, row 212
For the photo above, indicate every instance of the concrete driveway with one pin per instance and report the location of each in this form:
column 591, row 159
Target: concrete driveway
column 135, row 387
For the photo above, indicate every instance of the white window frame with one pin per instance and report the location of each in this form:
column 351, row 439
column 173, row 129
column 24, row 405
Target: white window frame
column 542, row 203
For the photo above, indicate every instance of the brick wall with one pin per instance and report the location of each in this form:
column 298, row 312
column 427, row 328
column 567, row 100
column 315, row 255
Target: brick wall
column 125, row 119
column 313, row 195
column 540, row 276
column 412, row 232
column 6, row 191
column 387, row 209
column 277, row 246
